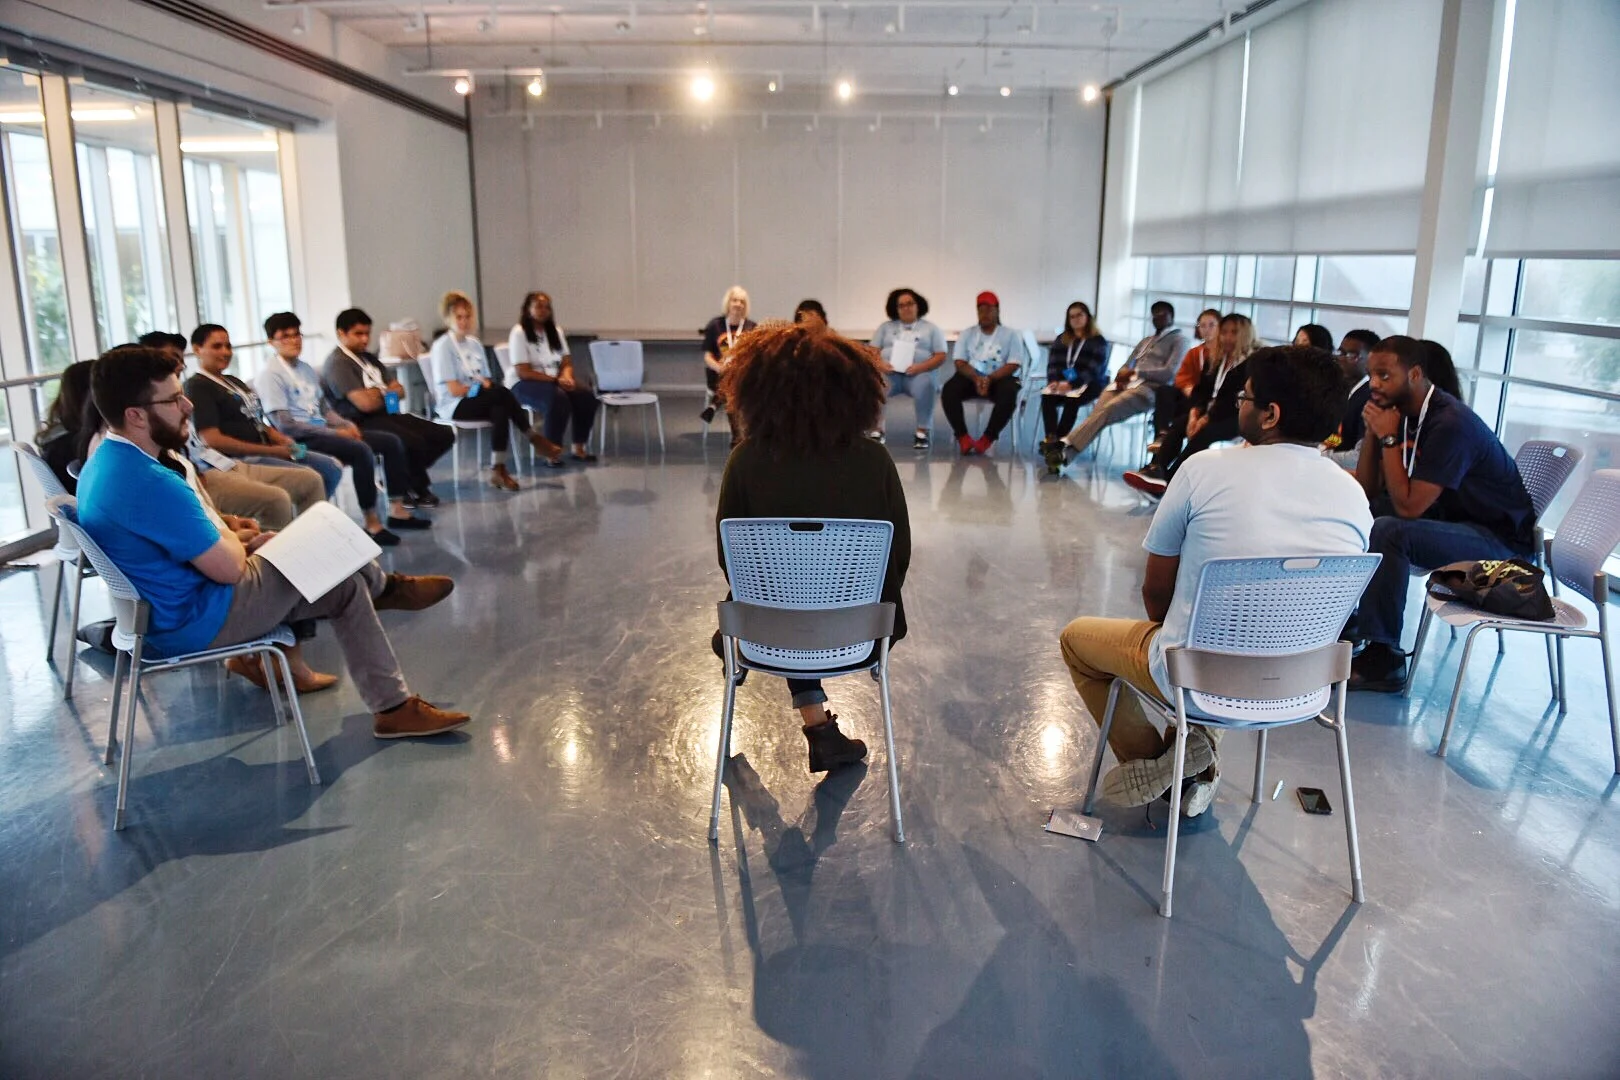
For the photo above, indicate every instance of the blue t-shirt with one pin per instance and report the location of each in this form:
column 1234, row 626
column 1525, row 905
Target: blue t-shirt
column 1482, row 484
column 151, row 524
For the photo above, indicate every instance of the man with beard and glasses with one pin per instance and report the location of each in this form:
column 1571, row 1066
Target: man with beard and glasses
column 1443, row 490
column 1277, row 496
column 205, row 587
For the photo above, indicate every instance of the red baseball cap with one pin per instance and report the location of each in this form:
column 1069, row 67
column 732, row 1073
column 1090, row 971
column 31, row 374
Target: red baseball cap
column 987, row 298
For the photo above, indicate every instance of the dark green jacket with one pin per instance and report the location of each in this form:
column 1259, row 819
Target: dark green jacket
column 857, row 482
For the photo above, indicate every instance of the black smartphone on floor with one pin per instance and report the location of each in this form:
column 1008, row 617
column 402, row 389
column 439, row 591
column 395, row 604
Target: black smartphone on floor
column 1313, row 800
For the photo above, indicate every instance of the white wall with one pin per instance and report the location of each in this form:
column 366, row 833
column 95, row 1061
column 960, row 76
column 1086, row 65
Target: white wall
column 637, row 223
column 394, row 183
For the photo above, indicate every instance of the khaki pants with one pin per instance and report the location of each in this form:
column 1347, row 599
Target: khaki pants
column 1099, row 650
column 1112, row 407
column 270, row 494
column 264, row 599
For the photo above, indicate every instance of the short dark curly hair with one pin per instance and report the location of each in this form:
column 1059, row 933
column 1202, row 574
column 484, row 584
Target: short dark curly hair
column 891, row 308
column 802, row 392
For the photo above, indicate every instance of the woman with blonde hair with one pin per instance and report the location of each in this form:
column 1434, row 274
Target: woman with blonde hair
column 464, row 389
column 1213, row 416
column 719, row 336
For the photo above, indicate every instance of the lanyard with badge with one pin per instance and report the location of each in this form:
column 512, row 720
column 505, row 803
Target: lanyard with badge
column 1070, row 371
column 370, row 377
column 1409, row 451
column 472, row 371
column 730, row 337
column 252, row 408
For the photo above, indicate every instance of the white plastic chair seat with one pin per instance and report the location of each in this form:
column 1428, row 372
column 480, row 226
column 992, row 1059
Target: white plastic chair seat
column 628, row 398
column 1456, row 613
column 124, row 641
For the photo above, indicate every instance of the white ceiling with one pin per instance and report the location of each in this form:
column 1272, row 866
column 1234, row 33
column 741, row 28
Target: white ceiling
column 888, row 48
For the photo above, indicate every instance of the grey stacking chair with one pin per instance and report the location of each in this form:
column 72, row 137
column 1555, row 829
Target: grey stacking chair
column 620, row 369
column 1574, row 557
column 1263, row 651
column 807, row 607
column 129, row 638
column 70, row 562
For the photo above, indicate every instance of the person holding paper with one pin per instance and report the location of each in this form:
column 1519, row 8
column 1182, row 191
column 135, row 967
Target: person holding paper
column 1076, row 369
column 365, row 391
column 988, row 357
column 913, row 349
column 205, row 586
column 298, row 406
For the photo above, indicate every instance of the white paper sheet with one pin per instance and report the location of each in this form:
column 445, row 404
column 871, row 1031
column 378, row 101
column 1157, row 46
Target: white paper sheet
column 319, row 549
column 901, row 353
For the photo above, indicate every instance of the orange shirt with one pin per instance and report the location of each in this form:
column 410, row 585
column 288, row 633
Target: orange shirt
column 1191, row 370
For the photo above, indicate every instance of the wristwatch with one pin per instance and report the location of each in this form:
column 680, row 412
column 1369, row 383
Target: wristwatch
column 1388, row 440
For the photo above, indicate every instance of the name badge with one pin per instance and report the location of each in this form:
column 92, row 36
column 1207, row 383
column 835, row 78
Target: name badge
column 215, row 460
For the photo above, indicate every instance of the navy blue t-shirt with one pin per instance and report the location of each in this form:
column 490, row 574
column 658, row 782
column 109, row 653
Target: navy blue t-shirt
column 1482, row 484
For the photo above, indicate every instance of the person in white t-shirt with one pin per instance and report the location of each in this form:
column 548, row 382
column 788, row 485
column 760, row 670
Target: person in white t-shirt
column 1276, row 496
column 542, row 376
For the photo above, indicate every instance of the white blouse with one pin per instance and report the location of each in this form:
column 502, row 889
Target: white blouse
column 538, row 355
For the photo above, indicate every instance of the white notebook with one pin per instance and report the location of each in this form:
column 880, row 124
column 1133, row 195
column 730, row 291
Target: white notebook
column 320, row 548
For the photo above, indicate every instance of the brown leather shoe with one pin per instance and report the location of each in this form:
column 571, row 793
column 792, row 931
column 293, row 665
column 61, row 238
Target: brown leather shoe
column 251, row 668
column 545, row 447
column 414, row 719
column 501, row 479
column 407, row 593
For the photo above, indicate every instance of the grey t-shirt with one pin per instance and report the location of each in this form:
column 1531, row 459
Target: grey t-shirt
column 343, row 373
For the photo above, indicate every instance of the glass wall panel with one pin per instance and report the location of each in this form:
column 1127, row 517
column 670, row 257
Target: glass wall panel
column 1593, row 424
column 238, row 223
column 1383, row 281
column 1176, row 275
column 1273, row 323
column 32, row 211
column 120, row 186
column 1571, row 360
column 1570, row 290
column 1274, row 277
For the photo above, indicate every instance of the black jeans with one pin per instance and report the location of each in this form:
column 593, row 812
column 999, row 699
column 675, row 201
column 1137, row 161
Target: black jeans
column 1003, row 396
column 1058, row 411
column 359, row 456
column 425, row 442
column 1169, row 405
column 497, row 405
column 1175, row 448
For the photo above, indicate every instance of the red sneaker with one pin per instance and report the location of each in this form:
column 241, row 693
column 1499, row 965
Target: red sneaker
column 983, row 444
column 967, row 444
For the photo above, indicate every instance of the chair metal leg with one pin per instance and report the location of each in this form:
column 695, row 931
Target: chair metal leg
column 1348, row 792
column 129, row 731
column 1563, row 683
column 888, row 735
column 1102, row 745
column 272, row 681
column 1259, row 764
column 658, row 414
column 120, row 669
column 56, row 609
column 1173, row 829
column 283, row 671
column 1552, row 667
column 1417, row 648
column 1456, row 690
column 1501, row 643
column 729, row 648
column 1608, row 682
column 73, row 628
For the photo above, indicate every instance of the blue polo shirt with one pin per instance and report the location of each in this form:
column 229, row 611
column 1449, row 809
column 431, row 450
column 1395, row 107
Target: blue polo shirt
column 151, row 524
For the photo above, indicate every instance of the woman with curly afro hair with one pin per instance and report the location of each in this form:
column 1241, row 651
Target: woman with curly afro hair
column 805, row 399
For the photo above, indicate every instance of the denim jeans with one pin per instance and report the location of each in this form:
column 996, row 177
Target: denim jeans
column 1406, row 544
column 922, row 389
column 330, row 468
column 578, row 407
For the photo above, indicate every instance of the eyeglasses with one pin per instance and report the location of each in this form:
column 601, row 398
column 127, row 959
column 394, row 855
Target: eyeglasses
column 173, row 399
column 1244, row 395
column 288, row 335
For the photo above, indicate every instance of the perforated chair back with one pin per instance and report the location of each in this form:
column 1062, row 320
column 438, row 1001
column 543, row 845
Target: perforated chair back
column 1273, row 607
column 67, row 548
column 503, row 357
column 1545, row 466
column 64, row 510
column 806, row 564
column 1589, row 532
column 618, row 365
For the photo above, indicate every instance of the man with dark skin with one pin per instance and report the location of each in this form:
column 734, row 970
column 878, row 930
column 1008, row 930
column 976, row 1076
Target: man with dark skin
column 1345, row 447
column 987, row 358
column 1443, row 489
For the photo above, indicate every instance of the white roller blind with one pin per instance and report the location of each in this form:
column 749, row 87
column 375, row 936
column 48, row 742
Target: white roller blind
column 1322, row 149
column 1558, row 176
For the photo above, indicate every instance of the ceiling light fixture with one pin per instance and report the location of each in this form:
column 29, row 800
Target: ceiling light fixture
column 537, row 85
column 1089, row 93
column 953, row 89
column 1006, row 91
column 772, row 86
column 464, row 85
column 300, row 25
column 702, row 88
column 845, row 89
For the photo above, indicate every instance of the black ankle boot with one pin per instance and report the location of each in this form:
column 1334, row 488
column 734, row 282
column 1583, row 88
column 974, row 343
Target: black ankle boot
column 830, row 748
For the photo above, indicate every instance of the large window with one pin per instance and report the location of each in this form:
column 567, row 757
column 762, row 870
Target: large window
column 238, row 225
column 121, row 187
column 32, row 211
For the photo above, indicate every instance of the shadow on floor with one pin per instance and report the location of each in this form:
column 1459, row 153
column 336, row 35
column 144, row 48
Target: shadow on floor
column 64, row 858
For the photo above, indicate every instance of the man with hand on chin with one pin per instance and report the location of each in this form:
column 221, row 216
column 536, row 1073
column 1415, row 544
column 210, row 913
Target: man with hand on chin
column 205, row 586
column 1443, row 489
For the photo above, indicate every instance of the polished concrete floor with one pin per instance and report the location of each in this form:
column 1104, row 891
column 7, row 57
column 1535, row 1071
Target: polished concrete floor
column 536, row 897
